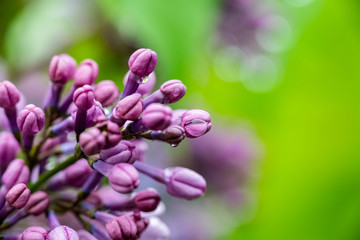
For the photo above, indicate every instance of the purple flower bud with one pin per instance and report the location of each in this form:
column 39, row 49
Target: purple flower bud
column 184, row 183
column 156, row 116
column 146, row 86
column 92, row 141
column 142, row 62
column 123, row 152
column 173, row 135
column 123, row 178
column 111, row 131
column 86, row 73
column 9, row 148
column 141, row 223
column 9, row 95
column 38, row 203
column 196, row 123
column 173, row 91
column 18, row 196
column 62, row 68
column 34, row 233
column 31, row 120
column 78, row 173
column 122, row 228
column 84, row 97
column 17, row 172
column 147, row 200
column 106, row 92
column 129, row 108
column 63, row 233
column 92, row 114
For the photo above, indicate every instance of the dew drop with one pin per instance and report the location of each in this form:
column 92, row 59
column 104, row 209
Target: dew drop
column 145, row 79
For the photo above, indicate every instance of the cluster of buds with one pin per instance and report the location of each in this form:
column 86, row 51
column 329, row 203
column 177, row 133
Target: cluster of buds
column 83, row 151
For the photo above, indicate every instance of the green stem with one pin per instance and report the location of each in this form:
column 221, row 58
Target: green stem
column 66, row 163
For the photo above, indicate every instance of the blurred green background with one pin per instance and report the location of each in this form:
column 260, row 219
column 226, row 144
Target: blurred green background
column 301, row 91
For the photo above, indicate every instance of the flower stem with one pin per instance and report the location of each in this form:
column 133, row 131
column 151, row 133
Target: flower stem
column 67, row 162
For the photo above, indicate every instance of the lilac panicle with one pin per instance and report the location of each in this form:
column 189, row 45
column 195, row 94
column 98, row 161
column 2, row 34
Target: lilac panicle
column 63, row 233
column 122, row 228
column 38, row 203
column 9, row 95
column 156, row 116
column 103, row 138
column 62, row 68
column 86, row 73
column 142, row 62
column 34, row 233
column 18, row 196
column 106, row 92
column 92, row 141
column 123, row 152
column 9, row 148
column 196, row 123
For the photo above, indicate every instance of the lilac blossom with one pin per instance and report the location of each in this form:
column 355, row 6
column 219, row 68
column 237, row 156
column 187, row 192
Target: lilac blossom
column 85, row 142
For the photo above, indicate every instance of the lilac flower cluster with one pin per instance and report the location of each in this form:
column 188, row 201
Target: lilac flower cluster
column 83, row 151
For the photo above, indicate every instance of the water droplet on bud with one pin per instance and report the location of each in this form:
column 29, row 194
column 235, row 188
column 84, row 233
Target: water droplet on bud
column 145, row 79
